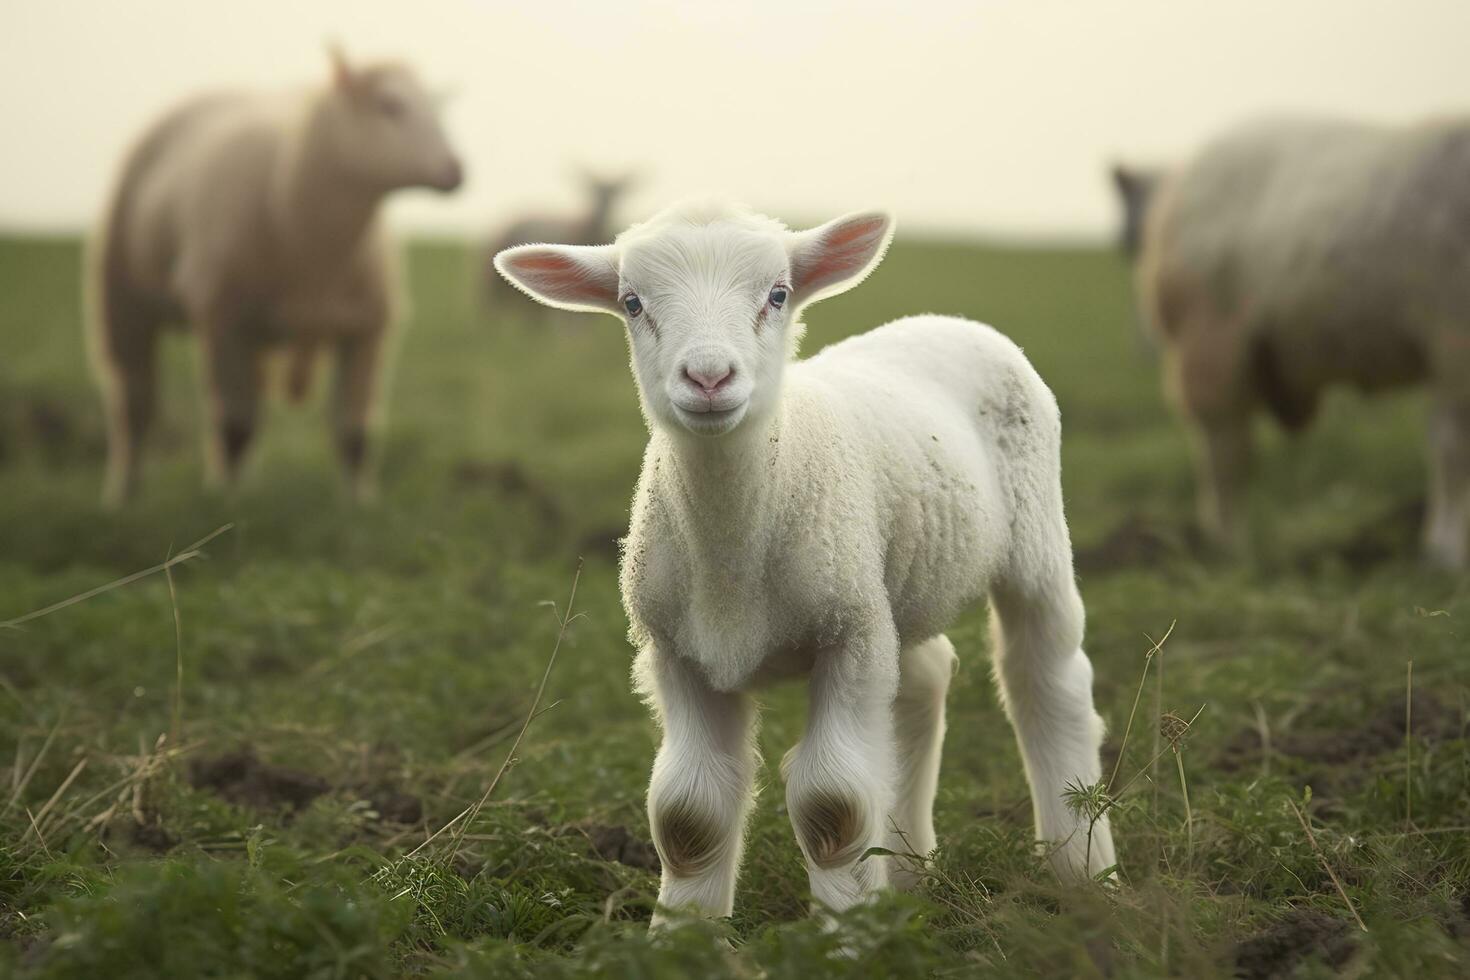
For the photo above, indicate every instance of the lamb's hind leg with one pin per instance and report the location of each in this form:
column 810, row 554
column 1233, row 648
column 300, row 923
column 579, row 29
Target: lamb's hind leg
column 918, row 727
column 701, row 787
column 1447, row 524
column 1045, row 683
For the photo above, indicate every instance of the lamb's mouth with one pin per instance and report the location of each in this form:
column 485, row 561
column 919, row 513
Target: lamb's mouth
column 711, row 420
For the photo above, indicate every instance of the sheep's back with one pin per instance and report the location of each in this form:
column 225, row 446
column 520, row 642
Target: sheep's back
column 1312, row 227
column 198, row 178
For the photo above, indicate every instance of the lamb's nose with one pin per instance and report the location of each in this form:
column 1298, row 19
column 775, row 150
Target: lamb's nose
column 709, row 380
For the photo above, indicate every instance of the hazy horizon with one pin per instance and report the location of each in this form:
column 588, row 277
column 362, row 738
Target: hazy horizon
column 990, row 119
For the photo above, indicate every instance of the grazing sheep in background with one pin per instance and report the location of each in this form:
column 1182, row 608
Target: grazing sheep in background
column 1297, row 254
column 592, row 227
column 828, row 519
column 254, row 219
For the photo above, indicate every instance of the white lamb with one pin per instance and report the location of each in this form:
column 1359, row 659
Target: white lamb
column 253, row 218
column 828, row 518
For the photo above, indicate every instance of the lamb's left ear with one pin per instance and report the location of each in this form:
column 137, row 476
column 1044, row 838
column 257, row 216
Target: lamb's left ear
column 568, row 277
column 834, row 257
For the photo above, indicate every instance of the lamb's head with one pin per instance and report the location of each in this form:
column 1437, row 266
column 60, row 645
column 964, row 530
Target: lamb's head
column 383, row 128
column 711, row 295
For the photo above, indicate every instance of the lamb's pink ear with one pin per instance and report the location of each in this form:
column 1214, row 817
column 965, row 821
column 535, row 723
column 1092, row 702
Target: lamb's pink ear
column 834, row 257
column 569, row 277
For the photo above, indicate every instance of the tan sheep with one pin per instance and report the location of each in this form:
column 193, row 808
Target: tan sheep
column 1294, row 255
column 254, row 219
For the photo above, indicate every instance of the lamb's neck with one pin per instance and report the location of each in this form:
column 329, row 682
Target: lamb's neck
column 726, row 487
column 320, row 213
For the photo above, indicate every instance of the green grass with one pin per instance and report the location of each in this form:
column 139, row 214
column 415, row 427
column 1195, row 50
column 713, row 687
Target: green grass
column 353, row 678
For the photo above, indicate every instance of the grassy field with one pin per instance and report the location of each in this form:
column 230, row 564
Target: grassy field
column 232, row 769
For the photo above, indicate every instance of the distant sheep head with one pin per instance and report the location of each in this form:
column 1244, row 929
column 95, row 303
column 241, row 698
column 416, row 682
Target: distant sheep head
column 384, row 128
column 1136, row 187
column 603, row 190
column 711, row 295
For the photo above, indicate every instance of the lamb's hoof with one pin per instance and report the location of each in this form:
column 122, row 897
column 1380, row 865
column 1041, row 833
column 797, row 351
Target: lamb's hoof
column 666, row 923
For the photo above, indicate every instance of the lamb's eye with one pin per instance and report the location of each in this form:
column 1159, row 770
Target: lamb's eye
column 778, row 297
column 632, row 304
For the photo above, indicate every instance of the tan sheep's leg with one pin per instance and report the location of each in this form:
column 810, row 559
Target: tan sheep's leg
column 129, row 378
column 233, row 372
column 1207, row 377
column 1222, row 467
column 352, row 405
column 1447, row 524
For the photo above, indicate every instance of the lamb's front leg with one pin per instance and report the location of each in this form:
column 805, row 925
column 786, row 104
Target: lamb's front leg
column 700, row 792
column 839, row 780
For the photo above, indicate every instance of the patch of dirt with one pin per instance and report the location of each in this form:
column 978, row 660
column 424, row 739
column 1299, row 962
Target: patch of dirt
column 1380, row 731
column 268, row 662
column 1391, row 535
column 508, row 478
column 1459, row 926
column 240, row 777
column 1300, row 934
column 153, row 837
column 49, row 422
column 57, row 427
column 1139, row 540
column 617, row 843
column 394, row 805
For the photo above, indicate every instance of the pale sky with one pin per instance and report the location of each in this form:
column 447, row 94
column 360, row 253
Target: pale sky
column 993, row 118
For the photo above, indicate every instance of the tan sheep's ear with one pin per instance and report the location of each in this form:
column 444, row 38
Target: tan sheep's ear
column 569, row 277
column 834, row 257
column 344, row 78
column 1123, row 178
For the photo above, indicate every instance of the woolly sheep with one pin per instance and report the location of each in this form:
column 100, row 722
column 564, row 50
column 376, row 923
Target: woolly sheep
column 1296, row 254
column 254, row 218
column 828, row 519
column 591, row 227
